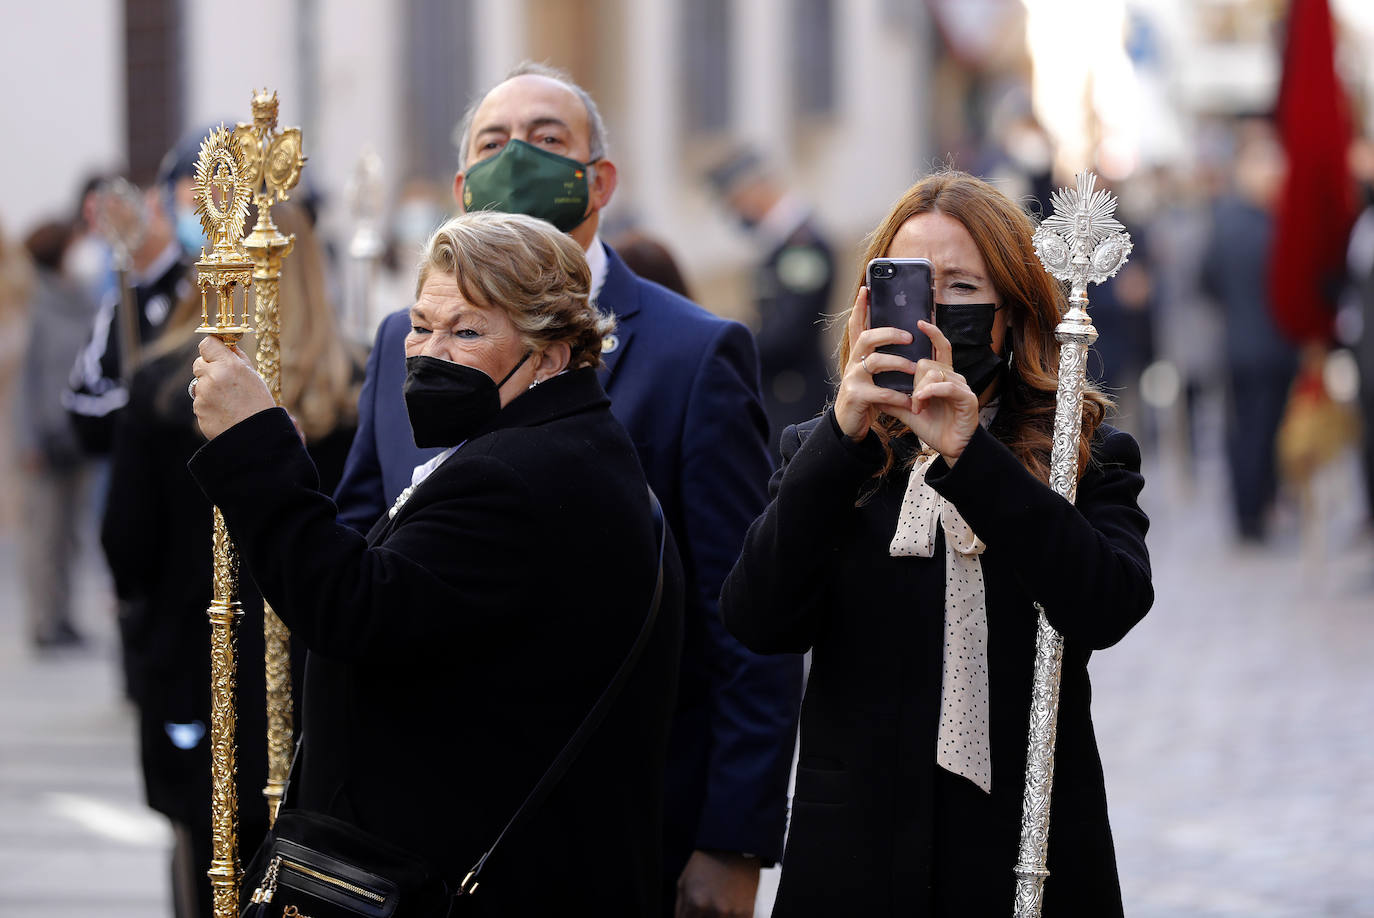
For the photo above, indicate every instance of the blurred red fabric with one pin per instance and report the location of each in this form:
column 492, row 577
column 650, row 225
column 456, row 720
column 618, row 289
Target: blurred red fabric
column 1316, row 205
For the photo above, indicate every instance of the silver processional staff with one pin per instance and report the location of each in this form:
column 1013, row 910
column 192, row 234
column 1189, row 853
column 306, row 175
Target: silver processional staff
column 1080, row 243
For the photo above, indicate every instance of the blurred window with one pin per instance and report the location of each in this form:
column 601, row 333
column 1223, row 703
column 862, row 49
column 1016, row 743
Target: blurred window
column 439, row 81
column 813, row 56
column 705, row 63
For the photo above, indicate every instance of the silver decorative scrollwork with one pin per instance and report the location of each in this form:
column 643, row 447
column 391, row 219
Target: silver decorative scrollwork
column 1080, row 243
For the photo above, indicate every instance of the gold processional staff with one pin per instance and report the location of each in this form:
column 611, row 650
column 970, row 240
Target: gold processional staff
column 272, row 163
column 1080, row 242
column 222, row 193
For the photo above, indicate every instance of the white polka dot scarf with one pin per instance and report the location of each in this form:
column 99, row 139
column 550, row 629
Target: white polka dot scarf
column 962, row 745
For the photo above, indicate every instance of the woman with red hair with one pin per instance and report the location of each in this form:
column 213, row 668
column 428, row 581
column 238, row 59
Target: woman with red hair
column 910, row 540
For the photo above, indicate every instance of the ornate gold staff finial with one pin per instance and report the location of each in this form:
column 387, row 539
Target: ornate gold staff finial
column 272, row 166
column 1080, row 243
column 221, row 196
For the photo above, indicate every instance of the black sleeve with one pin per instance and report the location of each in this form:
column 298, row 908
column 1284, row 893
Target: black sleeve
column 1086, row 563
column 775, row 595
column 441, row 573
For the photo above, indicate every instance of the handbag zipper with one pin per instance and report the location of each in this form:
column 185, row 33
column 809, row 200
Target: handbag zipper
column 268, row 889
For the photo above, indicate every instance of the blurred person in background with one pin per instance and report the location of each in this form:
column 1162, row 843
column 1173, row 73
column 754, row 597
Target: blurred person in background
column 55, row 469
column 910, row 540
column 1187, row 329
column 685, row 385
column 16, row 280
column 1019, row 158
column 421, row 207
column 171, row 239
column 157, row 532
column 1123, row 314
column 792, row 284
column 1260, row 363
column 90, row 261
column 1358, row 305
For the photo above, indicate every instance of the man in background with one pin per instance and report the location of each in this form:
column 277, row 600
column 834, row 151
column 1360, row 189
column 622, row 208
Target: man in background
column 1260, row 362
column 685, row 385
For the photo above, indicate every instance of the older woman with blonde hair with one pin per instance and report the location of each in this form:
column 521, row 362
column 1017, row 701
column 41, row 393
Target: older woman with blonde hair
column 910, row 540
column 457, row 648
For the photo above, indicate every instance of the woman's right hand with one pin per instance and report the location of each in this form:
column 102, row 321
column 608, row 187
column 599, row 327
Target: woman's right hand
column 860, row 399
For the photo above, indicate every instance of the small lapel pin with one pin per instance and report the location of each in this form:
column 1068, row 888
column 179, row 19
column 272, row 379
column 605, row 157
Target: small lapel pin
column 609, row 344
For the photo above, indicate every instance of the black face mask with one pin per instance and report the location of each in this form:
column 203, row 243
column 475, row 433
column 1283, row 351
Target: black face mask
column 968, row 326
column 448, row 402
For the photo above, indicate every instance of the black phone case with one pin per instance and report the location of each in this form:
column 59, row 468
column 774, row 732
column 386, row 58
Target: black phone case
column 900, row 301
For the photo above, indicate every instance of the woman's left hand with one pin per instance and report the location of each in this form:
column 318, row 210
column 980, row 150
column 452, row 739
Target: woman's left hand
column 228, row 389
column 944, row 410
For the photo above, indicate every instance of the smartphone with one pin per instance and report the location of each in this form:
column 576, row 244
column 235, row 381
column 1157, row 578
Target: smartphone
column 900, row 293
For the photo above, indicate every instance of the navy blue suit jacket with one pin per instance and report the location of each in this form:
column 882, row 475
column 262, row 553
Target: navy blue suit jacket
column 685, row 384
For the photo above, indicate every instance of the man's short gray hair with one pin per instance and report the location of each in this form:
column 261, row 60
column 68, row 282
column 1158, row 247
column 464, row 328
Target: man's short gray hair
column 596, row 140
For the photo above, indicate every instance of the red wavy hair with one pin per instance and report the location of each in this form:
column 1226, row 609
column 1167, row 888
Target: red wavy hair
column 1002, row 231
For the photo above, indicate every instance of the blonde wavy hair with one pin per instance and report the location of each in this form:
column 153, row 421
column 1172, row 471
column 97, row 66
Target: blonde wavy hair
column 529, row 270
column 1002, row 231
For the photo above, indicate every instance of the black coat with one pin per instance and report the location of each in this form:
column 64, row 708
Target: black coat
column 877, row 828
column 455, row 650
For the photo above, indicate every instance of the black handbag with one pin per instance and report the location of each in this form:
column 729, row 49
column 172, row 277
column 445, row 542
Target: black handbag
column 315, row 866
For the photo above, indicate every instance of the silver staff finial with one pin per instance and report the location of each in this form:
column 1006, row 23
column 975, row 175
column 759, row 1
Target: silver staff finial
column 1081, row 241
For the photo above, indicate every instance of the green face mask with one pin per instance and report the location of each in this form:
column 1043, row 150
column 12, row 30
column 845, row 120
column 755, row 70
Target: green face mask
column 523, row 179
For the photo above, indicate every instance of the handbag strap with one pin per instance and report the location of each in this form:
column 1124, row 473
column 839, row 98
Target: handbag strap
column 593, row 719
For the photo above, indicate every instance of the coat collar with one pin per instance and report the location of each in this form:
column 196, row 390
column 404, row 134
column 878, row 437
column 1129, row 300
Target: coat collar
column 573, row 392
column 570, row 393
column 620, row 296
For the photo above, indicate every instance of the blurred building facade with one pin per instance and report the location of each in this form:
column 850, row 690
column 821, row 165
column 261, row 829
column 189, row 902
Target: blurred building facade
column 851, row 98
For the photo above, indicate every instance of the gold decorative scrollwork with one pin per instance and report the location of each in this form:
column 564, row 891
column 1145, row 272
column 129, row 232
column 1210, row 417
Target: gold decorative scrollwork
column 272, row 164
column 221, row 192
column 222, row 196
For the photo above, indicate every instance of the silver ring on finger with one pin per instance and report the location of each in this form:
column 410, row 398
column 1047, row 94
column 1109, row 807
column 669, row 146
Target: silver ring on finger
column 191, row 386
column 863, row 361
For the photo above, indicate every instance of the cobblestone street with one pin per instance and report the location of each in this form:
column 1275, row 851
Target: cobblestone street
column 1235, row 720
column 1235, row 725
column 76, row 840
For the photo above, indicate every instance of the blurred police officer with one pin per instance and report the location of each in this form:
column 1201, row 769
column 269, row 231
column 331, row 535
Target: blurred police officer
column 792, row 287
